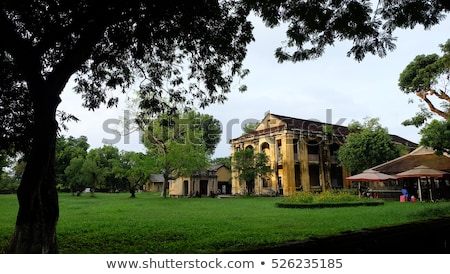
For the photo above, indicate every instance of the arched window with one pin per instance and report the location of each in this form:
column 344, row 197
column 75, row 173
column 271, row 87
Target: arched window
column 265, row 148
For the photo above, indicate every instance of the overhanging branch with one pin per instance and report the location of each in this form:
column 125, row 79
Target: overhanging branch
column 431, row 106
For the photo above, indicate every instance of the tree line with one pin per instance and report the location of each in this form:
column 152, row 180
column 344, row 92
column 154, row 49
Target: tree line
column 175, row 145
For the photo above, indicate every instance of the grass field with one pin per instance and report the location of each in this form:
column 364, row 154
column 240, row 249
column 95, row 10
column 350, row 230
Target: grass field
column 114, row 223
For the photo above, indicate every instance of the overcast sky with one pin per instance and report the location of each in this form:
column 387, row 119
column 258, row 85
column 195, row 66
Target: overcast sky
column 351, row 90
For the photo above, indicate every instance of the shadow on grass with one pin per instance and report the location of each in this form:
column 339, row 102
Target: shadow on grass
column 330, row 205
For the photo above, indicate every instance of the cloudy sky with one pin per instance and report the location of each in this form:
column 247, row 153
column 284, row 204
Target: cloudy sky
column 351, row 90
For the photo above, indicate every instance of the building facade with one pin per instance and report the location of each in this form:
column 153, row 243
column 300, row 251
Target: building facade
column 302, row 154
column 211, row 182
column 155, row 183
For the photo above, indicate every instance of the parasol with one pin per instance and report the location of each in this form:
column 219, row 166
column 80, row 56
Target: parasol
column 370, row 175
column 422, row 171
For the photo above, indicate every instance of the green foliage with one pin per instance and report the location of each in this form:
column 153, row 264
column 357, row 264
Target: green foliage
column 419, row 75
column 68, row 148
column 98, row 167
column 210, row 129
column 4, row 161
column 306, row 197
column 250, row 127
column 329, row 196
column 436, row 135
column 420, row 118
column 371, row 124
column 314, row 25
column 366, row 146
column 75, row 177
column 250, row 165
column 8, row 183
column 184, row 128
column 328, row 129
column 226, row 161
column 133, row 167
column 180, row 144
column 428, row 77
column 208, row 41
column 186, row 159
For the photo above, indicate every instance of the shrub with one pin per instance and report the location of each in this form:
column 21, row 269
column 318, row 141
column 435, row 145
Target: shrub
column 331, row 196
column 300, row 197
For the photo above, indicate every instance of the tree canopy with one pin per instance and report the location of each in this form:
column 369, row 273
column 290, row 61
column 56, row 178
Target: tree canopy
column 436, row 135
column 134, row 168
column 180, row 52
column 112, row 44
column 250, row 165
column 181, row 144
column 428, row 77
column 367, row 145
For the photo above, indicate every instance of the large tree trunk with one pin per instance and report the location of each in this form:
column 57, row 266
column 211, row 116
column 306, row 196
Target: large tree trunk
column 166, row 174
column 94, row 184
column 132, row 188
column 35, row 230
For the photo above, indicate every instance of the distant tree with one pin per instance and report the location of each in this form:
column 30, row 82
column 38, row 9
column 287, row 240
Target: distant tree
column 98, row 169
column 250, row 127
column 93, row 170
column 200, row 128
column 250, row 166
column 134, row 167
column 4, row 161
column 76, row 179
column 428, row 77
column 106, row 155
column 68, row 148
column 371, row 124
column 367, row 145
column 110, row 45
column 436, row 135
column 226, row 161
column 178, row 145
column 19, row 168
column 8, row 184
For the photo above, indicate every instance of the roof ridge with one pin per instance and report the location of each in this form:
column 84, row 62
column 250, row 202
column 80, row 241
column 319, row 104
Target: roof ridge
column 309, row 120
column 293, row 123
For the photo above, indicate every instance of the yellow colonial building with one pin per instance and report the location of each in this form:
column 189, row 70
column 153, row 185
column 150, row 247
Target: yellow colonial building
column 211, row 182
column 302, row 155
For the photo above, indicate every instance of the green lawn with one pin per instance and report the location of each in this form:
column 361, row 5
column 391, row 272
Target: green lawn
column 114, row 223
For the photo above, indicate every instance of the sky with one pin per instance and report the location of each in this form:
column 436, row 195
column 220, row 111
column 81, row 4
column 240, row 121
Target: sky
column 334, row 83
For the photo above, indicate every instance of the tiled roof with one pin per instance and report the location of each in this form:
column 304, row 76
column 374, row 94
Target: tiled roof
column 415, row 158
column 310, row 125
column 156, row 178
column 216, row 167
column 315, row 126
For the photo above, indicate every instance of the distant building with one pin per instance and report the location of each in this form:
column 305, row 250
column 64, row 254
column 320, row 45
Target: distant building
column 155, row 183
column 302, row 154
column 211, row 182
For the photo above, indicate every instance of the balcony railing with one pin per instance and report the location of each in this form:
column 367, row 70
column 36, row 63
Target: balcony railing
column 313, row 158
